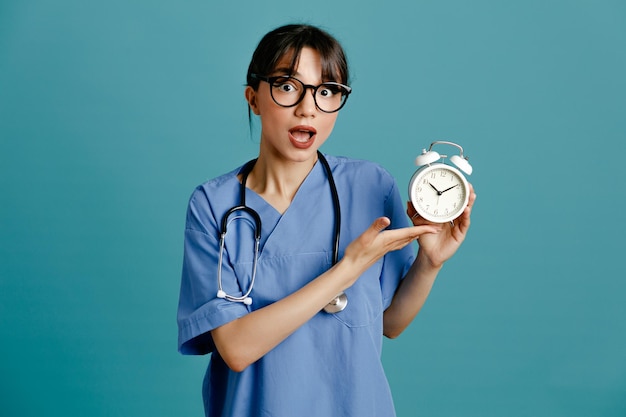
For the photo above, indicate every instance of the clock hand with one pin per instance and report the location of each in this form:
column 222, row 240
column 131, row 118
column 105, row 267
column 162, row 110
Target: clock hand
column 438, row 192
column 448, row 189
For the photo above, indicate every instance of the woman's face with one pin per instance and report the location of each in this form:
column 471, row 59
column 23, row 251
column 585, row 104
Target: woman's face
column 292, row 133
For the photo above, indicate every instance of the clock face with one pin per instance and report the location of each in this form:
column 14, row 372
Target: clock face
column 439, row 192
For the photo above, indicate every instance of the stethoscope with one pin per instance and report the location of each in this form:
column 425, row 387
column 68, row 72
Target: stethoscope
column 339, row 302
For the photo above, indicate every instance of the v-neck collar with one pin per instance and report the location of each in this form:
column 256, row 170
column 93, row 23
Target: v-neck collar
column 271, row 218
column 263, row 201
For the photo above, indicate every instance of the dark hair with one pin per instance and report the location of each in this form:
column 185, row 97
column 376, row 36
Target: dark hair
column 289, row 40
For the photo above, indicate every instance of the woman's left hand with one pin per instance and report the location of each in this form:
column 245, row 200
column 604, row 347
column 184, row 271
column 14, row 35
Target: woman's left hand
column 439, row 247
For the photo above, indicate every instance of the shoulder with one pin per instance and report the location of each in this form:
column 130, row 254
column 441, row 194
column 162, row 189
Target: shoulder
column 215, row 186
column 221, row 180
column 358, row 166
column 207, row 200
column 359, row 171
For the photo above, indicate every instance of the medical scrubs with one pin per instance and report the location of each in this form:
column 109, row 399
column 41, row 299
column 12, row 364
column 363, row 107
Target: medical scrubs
column 331, row 366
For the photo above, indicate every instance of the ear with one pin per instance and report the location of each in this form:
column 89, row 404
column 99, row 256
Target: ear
column 251, row 99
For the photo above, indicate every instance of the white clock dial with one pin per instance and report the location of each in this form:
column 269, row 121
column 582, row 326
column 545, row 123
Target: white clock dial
column 439, row 192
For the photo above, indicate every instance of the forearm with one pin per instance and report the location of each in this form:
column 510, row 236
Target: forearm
column 410, row 296
column 245, row 340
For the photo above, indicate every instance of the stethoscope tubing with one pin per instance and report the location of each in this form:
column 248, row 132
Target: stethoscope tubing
column 339, row 302
column 245, row 298
column 336, row 205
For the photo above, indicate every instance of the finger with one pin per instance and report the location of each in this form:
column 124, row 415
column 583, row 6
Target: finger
column 375, row 228
column 472, row 196
column 381, row 223
column 415, row 217
column 401, row 237
column 410, row 210
column 472, row 200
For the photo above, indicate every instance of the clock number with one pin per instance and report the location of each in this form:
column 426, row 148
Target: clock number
column 438, row 193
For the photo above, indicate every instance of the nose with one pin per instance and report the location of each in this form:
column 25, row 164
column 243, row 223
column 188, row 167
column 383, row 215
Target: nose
column 307, row 106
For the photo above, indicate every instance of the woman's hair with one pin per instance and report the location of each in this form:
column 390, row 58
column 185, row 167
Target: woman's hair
column 288, row 41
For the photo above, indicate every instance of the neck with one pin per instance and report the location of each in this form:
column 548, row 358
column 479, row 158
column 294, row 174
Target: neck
column 278, row 181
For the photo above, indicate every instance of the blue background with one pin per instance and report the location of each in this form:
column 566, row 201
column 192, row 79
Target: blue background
column 112, row 112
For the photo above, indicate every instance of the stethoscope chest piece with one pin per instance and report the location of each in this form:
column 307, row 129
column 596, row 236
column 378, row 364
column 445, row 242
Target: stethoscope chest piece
column 337, row 304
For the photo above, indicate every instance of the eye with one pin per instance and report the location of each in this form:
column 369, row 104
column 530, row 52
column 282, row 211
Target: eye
column 285, row 88
column 325, row 92
column 330, row 90
column 286, row 85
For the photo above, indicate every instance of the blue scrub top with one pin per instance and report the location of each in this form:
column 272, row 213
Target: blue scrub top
column 331, row 366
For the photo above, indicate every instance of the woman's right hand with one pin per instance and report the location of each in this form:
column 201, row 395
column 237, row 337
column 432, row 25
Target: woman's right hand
column 376, row 242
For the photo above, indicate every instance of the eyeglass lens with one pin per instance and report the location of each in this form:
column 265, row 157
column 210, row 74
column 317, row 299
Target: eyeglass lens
column 288, row 91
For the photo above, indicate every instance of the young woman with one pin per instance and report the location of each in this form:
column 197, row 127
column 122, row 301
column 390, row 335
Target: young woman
column 329, row 227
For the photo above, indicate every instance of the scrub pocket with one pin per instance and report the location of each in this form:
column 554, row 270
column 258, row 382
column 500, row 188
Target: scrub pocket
column 280, row 276
column 365, row 303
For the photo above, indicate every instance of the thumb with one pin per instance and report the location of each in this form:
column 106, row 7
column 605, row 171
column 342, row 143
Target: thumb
column 375, row 228
column 380, row 224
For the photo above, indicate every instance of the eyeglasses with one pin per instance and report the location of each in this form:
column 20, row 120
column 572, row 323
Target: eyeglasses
column 287, row 91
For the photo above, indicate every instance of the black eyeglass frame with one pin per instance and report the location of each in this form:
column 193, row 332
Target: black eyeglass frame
column 272, row 80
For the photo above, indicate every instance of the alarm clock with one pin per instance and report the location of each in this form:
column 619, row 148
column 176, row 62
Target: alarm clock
column 439, row 192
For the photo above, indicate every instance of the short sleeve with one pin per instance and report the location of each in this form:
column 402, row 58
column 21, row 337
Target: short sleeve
column 199, row 309
column 396, row 263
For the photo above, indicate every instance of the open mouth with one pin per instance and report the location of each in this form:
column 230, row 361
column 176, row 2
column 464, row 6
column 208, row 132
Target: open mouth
column 302, row 134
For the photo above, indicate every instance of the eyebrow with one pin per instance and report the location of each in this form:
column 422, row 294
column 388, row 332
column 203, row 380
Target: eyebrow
column 287, row 71
column 283, row 70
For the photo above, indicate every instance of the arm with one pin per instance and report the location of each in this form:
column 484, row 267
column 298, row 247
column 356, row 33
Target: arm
column 245, row 340
column 435, row 249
